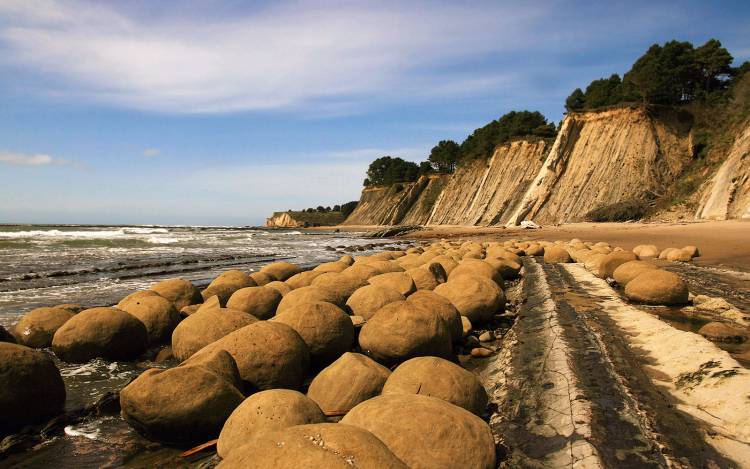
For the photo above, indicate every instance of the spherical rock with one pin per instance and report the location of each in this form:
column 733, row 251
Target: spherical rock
column 343, row 384
column 477, row 268
column 508, row 268
column 37, row 327
column 302, row 279
column 480, row 352
column 226, row 284
column 466, row 326
column 135, row 296
column 158, row 315
column 269, row 355
column 310, row 294
column 487, row 336
column 266, row 411
column 337, row 266
column 692, row 251
column 31, row 388
column 607, row 264
column 446, row 262
column 367, row 300
column 314, row 446
column 281, row 270
column 443, row 308
column 187, row 404
column 657, row 287
column 179, row 291
column 436, row 377
column 100, row 332
column 280, row 287
column 534, row 250
column 340, row 283
column 665, row 253
column 261, row 302
column 261, row 279
column 403, row 330
column 456, row 437
column 721, row 332
column 399, row 281
column 556, row 255
column 206, row 326
column 325, row 328
column 477, row 298
column 627, row 271
column 646, row 251
column 347, row 259
column 679, row 255
column 424, row 278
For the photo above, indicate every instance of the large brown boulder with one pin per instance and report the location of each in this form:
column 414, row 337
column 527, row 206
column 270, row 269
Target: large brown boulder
column 403, row 330
column 268, row 355
column 343, row 384
column 266, row 411
column 314, row 446
column 427, row 432
column 337, row 266
column 280, row 287
column 646, row 251
column 261, row 279
column 226, row 284
column 340, row 283
column 31, row 388
column 427, row 277
column 179, row 291
column 476, row 297
column 399, row 281
column 721, row 332
column 187, row 404
column 627, row 271
column 556, row 255
column 508, row 268
column 303, row 279
column 607, row 264
column 206, row 326
column 281, row 270
column 478, row 268
column 367, row 300
column 657, row 287
column 100, row 332
column 679, row 255
column 38, row 326
column 135, row 296
column 158, row 314
column 261, row 302
column 325, row 328
column 442, row 307
column 309, row 295
column 436, row 377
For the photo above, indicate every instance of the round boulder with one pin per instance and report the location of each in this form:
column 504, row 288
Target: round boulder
column 100, row 332
column 627, row 271
column 556, row 255
column 367, row 300
column 476, row 297
column 646, row 251
column 187, row 404
column 226, row 284
column 135, row 296
column 158, row 314
column 261, row 279
column 302, row 279
column 281, row 270
column 268, row 355
column 280, row 287
column 679, row 255
column 31, row 388
column 443, row 308
column 427, row 432
column 266, row 411
column 179, row 291
column 477, row 268
column 310, row 294
column 204, row 327
column 325, row 328
column 38, row 326
column 340, row 283
column 657, row 287
column 314, row 446
column 337, row 266
column 403, row 330
column 343, row 384
column 436, row 377
column 721, row 332
column 261, row 302
column 607, row 264
column 508, row 268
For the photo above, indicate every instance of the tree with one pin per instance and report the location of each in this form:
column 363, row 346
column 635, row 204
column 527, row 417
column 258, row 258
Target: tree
column 482, row 143
column 337, row 208
column 388, row 170
column 576, row 100
column 604, row 92
column 444, row 156
column 320, row 209
column 665, row 74
column 425, row 168
column 348, row 208
column 714, row 65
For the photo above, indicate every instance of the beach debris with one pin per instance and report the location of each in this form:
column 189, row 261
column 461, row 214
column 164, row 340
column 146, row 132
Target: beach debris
column 529, row 225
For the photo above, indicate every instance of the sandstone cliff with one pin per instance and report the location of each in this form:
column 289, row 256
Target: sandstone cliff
column 301, row 219
column 728, row 192
column 601, row 158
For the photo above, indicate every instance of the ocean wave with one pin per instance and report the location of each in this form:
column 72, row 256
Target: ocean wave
column 99, row 234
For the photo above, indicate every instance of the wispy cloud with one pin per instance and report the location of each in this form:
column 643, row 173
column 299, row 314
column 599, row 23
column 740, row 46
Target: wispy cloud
column 151, row 152
column 22, row 159
column 288, row 55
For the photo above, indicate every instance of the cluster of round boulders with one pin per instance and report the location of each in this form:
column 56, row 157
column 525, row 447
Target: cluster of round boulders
column 107, row 333
column 314, row 446
column 343, row 384
column 439, row 305
column 266, row 411
column 426, row 432
column 156, row 313
column 367, row 300
column 206, row 326
column 685, row 254
column 31, row 388
column 229, row 282
column 436, row 377
column 37, row 327
column 475, row 296
column 187, row 404
column 180, row 292
column 556, row 255
column 261, row 302
column 325, row 328
column 398, row 281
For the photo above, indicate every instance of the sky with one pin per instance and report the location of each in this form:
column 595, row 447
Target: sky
column 219, row 112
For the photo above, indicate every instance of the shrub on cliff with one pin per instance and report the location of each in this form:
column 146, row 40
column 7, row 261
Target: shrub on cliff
column 388, row 170
column 483, row 141
column 619, row 211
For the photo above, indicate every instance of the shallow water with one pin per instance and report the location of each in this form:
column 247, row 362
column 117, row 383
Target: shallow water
column 98, row 265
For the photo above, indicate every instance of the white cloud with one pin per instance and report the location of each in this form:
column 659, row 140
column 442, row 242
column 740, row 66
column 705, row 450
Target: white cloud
column 151, row 152
column 21, row 159
column 322, row 57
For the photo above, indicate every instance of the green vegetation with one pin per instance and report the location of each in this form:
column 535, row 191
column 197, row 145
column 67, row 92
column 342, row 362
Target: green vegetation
column 447, row 154
column 620, row 211
column 676, row 73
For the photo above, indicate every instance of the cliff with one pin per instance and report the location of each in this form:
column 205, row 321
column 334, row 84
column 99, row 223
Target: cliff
column 303, row 219
column 727, row 194
column 601, row 158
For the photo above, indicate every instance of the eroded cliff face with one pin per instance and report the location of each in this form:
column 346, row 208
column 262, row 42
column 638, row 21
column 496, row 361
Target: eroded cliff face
column 487, row 192
column 283, row 220
column 601, row 158
column 728, row 192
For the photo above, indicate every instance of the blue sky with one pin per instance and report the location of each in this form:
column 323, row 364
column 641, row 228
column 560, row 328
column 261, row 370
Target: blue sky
column 220, row 112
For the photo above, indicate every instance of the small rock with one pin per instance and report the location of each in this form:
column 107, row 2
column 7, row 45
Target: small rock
column 357, row 321
column 480, row 352
column 487, row 336
column 466, row 323
column 471, row 342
